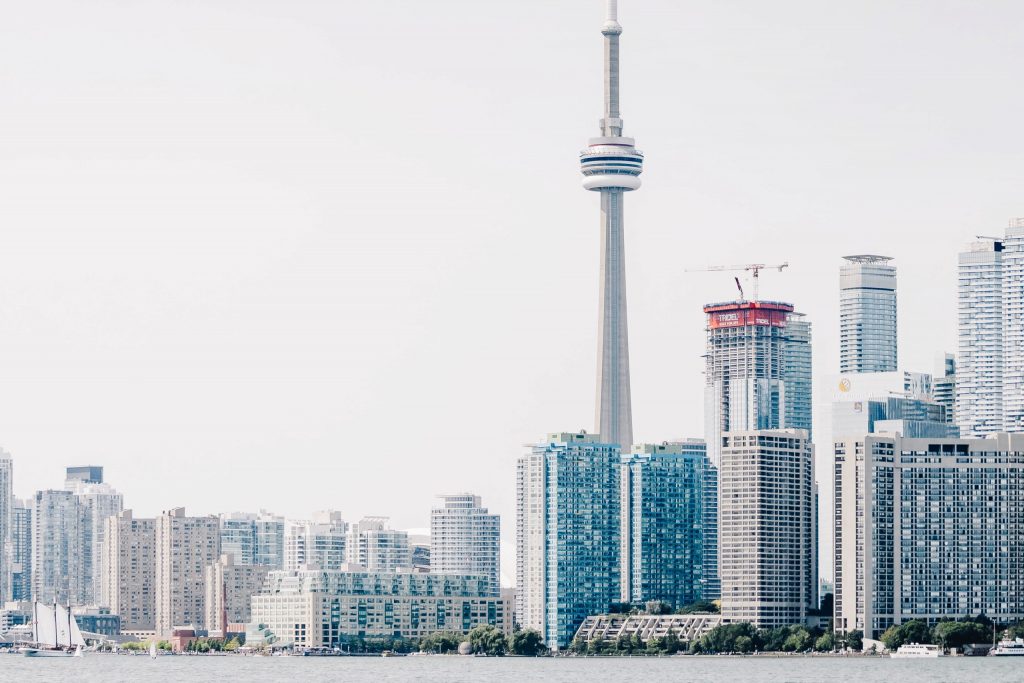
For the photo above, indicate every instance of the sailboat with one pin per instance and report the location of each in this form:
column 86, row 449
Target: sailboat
column 55, row 632
column 152, row 649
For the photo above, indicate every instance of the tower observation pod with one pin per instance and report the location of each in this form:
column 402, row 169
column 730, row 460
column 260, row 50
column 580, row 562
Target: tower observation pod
column 611, row 165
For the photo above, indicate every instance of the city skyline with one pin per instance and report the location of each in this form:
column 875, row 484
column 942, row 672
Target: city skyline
column 240, row 356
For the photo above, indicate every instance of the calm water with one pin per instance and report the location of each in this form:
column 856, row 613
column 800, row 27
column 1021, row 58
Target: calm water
column 108, row 668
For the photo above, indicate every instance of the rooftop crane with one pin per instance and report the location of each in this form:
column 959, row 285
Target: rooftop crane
column 755, row 268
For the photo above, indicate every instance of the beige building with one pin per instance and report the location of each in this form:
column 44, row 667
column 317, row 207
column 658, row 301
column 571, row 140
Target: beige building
column 127, row 583
column 767, row 527
column 185, row 546
column 229, row 591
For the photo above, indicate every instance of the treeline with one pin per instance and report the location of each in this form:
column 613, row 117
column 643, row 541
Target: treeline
column 488, row 640
column 947, row 634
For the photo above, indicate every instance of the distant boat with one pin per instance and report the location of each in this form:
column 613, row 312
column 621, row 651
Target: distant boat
column 1008, row 648
column 54, row 632
column 917, row 650
column 152, row 650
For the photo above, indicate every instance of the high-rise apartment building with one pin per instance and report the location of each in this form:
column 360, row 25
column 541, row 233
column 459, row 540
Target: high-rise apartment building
column 6, row 522
column 567, row 534
column 229, row 589
column 184, row 548
column 663, row 509
column 944, row 386
column 21, row 550
column 980, row 374
column 867, row 314
column 317, row 543
column 466, row 539
column 58, row 557
column 97, row 502
column 928, row 529
column 758, row 370
column 128, row 585
column 767, row 527
column 376, row 547
column 253, row 538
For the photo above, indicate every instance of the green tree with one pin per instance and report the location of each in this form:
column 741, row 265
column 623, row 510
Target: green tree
column 960, row 633
column 723, row 638
column 441, row 642
column 488, row 640
column 826, row 642
column 854, row 640
column 744, row 644
column 526, row 642
column 914, row 631
column 797, row 641
column 699, row 607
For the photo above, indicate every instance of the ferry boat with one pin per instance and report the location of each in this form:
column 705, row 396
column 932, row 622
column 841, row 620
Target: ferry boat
column 917, row 650
column 1008, row 648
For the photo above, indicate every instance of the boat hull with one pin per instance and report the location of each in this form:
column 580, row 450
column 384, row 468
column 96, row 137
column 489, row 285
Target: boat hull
column 35, row 652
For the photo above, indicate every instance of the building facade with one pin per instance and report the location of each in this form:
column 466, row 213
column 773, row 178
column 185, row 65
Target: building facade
column 58, row 556
column 333, row 608
column 253, row 538
column 662, row 506
column 567, row 534
column 867, row 314
column 767, row 528
column 229, row 589
column 317, row 543
column 466, row 539
column 97, row 501
column 758, row 370
column 376, row 547
column 944, row 387
column 128, row 585
column 980, row 371
column 6, row 524
column 21, row 550
column 185, row 546
column 928, row 529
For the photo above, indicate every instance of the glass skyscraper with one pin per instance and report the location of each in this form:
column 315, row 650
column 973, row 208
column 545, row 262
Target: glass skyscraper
column 867, row 314
column 663, row 522
column 567, row 534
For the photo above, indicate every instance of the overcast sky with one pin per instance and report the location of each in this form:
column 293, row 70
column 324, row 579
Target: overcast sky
column 299, row 255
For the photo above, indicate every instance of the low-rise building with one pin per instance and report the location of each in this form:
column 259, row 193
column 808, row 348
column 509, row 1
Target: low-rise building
column 610, row 627
column 329, row 608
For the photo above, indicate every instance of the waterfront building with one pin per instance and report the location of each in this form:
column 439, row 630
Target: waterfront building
column 229, row 589
column 567, row 534
column 58, row 557
column 317, row 543
column 758, row 370
column 253, row 538
column 611, row 165
column 373, row 545
column 662, row 508
column 333, row 608
column 21, row 550
column 6, row 524
column 609, row 628
column 867, row 315
column 128, row 584
column 767, row 527
column 97, row 502
column 184, row 547
column 928, row 529
column 466, row 539
column 99, row 620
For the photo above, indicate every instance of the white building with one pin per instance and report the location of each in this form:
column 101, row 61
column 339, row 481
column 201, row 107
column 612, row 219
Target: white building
column 867, row 314
column 128, row 582
column 928, row 529
column 229, row 589
column 253, row 538
column 767, row 527
column 59, row 531
column 373, row 545
column 317, row 543
column 184, row 548
column 6, row 523
column 466, row 539
column 97, row 502
column 981, row 369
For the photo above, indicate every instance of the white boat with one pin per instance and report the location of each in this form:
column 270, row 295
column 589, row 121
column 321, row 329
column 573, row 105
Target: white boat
column 1008, row 648
column 55, row 632
column 917, row 651
column 152, row 650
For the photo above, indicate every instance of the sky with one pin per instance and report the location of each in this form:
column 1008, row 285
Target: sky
column 307, row 255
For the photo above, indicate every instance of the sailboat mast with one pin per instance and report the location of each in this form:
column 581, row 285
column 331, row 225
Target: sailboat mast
column 56, row 640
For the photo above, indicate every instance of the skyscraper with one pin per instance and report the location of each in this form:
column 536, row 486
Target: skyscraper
column 318, row 543
column 97, row 501
column 867, row 314
column 6, row 522
column 373, row 545
column 758, row 370
column 979, row 386
column 253, row 539
column 663, row 522
column 58, row 556
column 611, row 165
column 229, row 589
column 767, row 527
column 466, row 539
column 128, row 583
column 567, row 534
column 184, row 548
column 1013, row 327
column 21, row 550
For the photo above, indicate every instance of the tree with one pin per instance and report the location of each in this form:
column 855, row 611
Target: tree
column 854, row 640
column 487, row 639
column 913, row 631
column 723, row 638
column 797, row 641
column 744, row 644
column 699, row 607
column 526, row 642
column 442, row 642
column 826, row 642
column 959, row 633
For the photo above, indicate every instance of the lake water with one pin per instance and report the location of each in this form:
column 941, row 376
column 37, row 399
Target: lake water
column 110, row 668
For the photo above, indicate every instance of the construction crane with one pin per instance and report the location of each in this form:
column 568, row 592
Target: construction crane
column 755, row 268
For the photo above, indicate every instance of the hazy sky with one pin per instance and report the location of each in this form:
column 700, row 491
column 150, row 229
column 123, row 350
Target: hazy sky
column 299, row 255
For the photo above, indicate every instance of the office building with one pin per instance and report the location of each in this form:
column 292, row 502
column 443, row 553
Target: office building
column 567, row 534
column 333, row 608
column 317, row 543
column 21, row 550
column 758, row 370
column 128, row 585
column 253, row 538
column 928, row 529
column 229, row 589
column 611, row 165
column 767, row 527
column 662, row 508
column 867, row 315
column 184, row 548
column 466, row 539
column 376, row 547
column 6, row 524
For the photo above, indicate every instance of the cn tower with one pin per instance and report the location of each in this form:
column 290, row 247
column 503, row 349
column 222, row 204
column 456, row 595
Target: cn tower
column 611, row 165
